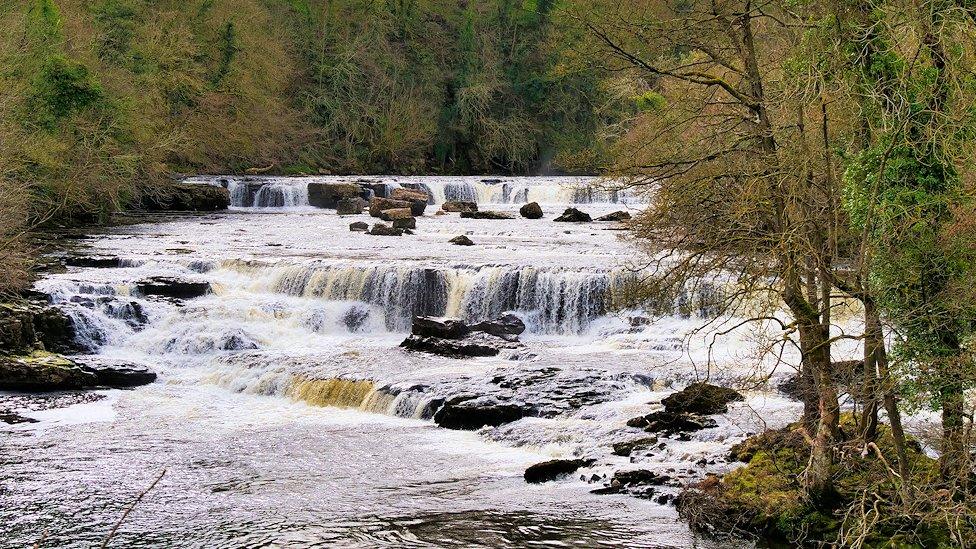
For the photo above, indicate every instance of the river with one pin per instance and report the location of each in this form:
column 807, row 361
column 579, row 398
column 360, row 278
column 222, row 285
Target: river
column 287, row 415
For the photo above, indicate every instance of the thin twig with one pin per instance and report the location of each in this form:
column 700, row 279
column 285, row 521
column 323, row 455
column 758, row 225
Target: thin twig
column 132, row 506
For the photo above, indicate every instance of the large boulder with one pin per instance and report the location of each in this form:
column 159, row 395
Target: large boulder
column 42, row 371
column 401, row 193
column 505, row 326
column 532, row 210
column 328, row 195
column 459, row 206
column 359, row 226
column 554, row 469
column 55, row 330
column 615, row 216
column 379, row 205
column 176, row 288
column 194, row 197
column 486, row 214
column 396, row 213
column 28, row 326
column 350, row 206
column 468, row 414
column 447, row 328
column 572, row 215
column 701, row 398
column 462, row 240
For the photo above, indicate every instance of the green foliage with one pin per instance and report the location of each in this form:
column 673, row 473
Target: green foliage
column 649, row 101
column 227, row 48
column 44, row 23
column 62, row 88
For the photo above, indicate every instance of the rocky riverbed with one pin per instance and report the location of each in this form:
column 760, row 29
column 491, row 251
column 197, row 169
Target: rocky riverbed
column 321, row 386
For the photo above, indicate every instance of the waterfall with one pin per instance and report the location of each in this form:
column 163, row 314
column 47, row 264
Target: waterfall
column 290, row 192
column 552, row 301
column 361, row 395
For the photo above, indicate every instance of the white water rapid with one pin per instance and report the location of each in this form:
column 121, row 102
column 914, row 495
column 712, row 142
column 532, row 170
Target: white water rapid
column 287, row 415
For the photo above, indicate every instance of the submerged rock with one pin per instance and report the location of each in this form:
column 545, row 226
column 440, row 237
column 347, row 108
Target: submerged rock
column 379, row 229
column 551, row 470
column 462, row 240
column 626, row 448
column 163, row 286
column 329, row 195
column 701, row 398
column 615, row 216
column 446, row 328
column 467, row 414
column 192, row 197
column 459, row 206
column 359, row 226
column 572, row 215
column 532, row 210
column 486, row 214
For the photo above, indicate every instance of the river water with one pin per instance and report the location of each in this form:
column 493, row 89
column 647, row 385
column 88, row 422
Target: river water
column 286, row 415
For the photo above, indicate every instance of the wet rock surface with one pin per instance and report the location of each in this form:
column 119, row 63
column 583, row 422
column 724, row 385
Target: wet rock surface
column 379, row 205
column 573, row 215
column 469, row 414
column 32, row 325
column 116, row 374
column 627, row 447
column 93, row 261
column 506, row 326
column 548, row 471
column 381, row 229
column 455, row 206
column 532, row 210
column 462, row 240
column 350, row 206
column 486, row 214
column 359, row 226
column 193, row 197
column 42, row 371
column 176, row 288
column 448, row 328
column 329, row 195
column 701, row 398
column 474, row 345
column 670, row 423
column 615, row 216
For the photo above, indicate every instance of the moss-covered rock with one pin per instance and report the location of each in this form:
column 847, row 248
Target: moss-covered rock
column 766, row 498
column 43, row 371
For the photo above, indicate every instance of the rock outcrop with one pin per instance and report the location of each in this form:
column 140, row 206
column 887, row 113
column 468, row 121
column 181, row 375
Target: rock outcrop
column 192, row 197
column 469, row 413
column 379, row 205
column 176, row 288
column 447, row 328
column 506, row 326
column 532, row 210
column 572, row 215
column 328, row 195
column 701, row 398
column 454, row 338
column 474, row 345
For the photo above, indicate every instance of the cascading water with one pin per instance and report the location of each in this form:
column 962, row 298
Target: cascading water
column 274, row 192
column 264, row 380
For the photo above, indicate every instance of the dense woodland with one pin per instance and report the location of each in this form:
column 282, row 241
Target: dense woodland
column 821, row 152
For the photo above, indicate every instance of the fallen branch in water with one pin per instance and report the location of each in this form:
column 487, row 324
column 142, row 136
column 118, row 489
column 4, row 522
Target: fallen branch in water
column 132, row 506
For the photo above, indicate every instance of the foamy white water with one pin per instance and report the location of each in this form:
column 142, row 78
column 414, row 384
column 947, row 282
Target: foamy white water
column 287, row 415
